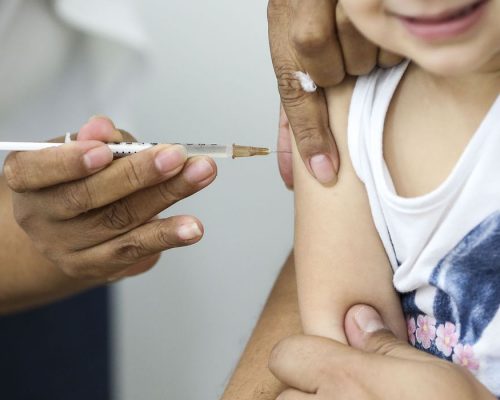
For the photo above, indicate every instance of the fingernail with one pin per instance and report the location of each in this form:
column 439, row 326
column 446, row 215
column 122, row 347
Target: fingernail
column 368, row 320
column 322, row 168
column 170, row 159
column 198, row 171
column 97, row 158
column 189, row 231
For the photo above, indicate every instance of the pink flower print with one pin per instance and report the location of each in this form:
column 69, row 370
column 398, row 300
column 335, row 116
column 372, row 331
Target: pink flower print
column 464, row 355
column 410, row 323
column 426, row 330
column 447, row 338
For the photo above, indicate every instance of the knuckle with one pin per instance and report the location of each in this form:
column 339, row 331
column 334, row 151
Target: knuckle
column 130, row 252
column 274, row 8
column 170, row 193
column 385, row 344
column 311, row 40
column 64, row 162
column 76, row 198
column 165, row 238
column 132, row 173
column 118, row 216
column 289, row 87
column 308, row 139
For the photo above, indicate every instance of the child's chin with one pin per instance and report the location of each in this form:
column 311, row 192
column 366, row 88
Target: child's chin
column 449, row 64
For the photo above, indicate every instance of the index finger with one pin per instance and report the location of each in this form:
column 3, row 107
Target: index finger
column 28, row 171
column 307, row 112
column 34, row 170
column 314, row 38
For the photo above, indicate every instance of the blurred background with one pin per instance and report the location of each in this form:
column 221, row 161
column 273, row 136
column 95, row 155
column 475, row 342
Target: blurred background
column 167, row 71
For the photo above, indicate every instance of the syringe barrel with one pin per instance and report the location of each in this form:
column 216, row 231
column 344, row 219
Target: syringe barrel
column 193, row 149
column 211, row 150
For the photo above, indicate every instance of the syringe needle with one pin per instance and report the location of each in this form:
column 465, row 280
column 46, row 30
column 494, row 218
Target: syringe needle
column 249, row 151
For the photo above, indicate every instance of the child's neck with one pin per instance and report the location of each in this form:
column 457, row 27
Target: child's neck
column 483, row 84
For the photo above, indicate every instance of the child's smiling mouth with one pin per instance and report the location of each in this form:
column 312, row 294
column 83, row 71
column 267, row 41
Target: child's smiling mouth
column 444, row 25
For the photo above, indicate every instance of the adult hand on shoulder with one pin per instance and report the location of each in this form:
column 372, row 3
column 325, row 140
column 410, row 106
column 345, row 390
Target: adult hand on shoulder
column 94, row 218
column 377, row 366
column 315, row 37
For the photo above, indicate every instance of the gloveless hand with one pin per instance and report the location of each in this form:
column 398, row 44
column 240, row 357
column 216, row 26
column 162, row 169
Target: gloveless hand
column 316, row 37
column 94, row 218
column 377, row 366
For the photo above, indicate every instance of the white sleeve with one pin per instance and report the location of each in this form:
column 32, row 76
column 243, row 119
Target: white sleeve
column 356, row 120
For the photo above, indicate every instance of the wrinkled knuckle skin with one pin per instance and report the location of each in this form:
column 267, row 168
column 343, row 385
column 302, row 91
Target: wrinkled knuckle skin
column 311, row 41
column 118, row 216
column 14, row 173
column 383, row 345
column 273, row 9
column 307, row 141
column 75, row 198
column 132, row 174
column 166, row 239
column 170, row 194
column 289, row 87
column 130, row 252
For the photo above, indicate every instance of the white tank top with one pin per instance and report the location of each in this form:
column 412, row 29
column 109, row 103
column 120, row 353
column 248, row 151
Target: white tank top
column 444, row 246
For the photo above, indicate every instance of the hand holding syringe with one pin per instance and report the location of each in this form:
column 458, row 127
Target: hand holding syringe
column 94, row 219
column 126, row 148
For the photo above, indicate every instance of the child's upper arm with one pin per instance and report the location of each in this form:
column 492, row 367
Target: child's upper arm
column 340, row 259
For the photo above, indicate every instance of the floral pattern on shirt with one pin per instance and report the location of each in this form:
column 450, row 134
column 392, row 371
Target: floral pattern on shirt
column 440, row 339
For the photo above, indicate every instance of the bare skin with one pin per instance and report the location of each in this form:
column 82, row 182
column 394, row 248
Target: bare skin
column 80, row 228
column 376, row 365
column 279, row 319
column 316, row 37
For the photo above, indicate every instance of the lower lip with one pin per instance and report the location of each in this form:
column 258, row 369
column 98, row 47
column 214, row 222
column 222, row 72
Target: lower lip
column 440, row 30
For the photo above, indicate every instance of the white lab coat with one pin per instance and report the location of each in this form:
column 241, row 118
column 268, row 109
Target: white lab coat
column 62, row 61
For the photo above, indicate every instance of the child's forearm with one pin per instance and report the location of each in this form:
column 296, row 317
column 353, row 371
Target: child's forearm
column 27, row 278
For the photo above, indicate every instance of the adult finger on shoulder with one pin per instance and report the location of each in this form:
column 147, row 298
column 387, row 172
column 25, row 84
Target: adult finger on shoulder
column 315, row 42
column 306, row 111
column 359, row 54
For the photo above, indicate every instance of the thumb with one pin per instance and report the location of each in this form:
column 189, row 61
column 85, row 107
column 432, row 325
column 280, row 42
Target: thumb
column 365, row 330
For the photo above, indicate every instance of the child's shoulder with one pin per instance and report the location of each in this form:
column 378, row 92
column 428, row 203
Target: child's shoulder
column 339, row 100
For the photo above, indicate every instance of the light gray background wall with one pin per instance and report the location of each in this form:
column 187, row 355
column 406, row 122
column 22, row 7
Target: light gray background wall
column 179, row 330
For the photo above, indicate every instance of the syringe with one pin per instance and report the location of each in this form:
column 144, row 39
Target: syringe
column 122, row 149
